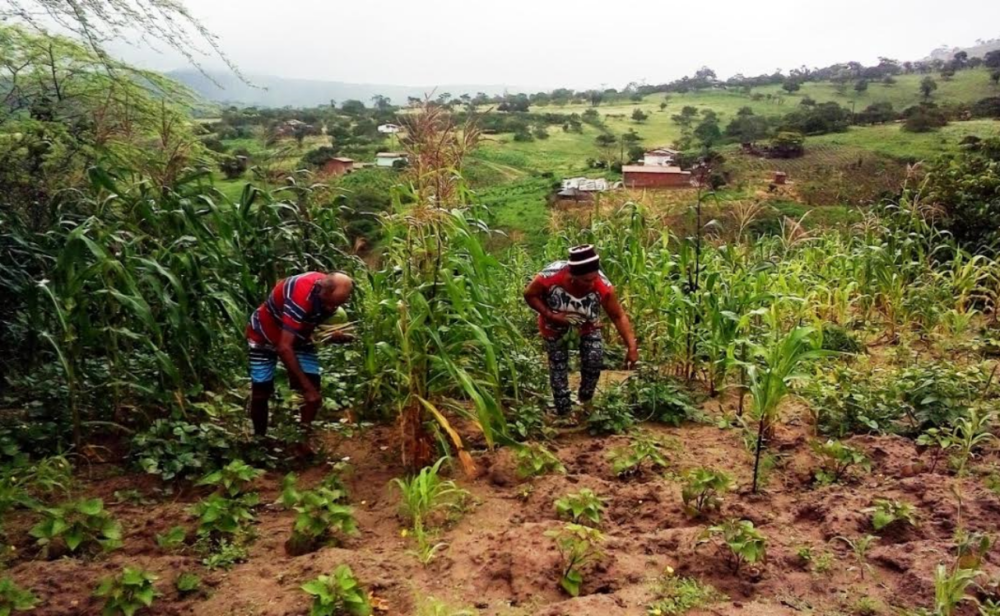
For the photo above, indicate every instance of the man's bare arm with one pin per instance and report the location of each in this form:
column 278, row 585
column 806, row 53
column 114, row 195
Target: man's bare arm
column 286, row 351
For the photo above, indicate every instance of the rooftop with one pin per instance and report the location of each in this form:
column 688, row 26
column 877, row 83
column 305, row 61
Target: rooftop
column 653, row 169
column 341, row 159
column 389, row 155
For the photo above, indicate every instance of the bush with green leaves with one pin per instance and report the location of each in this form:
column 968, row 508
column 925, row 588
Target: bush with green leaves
column 338, row 594
column 611, row 413
column 580, row 549
column 935, row 395
column 836, row 459
column 886, row 513
column 82, row 524
column 13, row 598
column 738, row 541
column 628, row 461
column 534, row 459
column 320, row 515
column 584, row 507
column 177, row 449
column 425, row 496
column 837, row 338
column 677, row 595
column 128, row 592
column 847, row 401
column 702, row 490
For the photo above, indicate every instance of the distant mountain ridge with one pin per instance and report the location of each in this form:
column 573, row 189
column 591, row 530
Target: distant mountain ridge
column 273, row 91
column 980, row 49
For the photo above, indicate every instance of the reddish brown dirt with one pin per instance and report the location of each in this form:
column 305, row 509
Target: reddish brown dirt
column 499, row 561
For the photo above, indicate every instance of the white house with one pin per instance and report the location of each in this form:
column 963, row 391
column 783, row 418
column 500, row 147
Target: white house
column 388, row 129
column 585, row 184
column 388, row 159
column 660, row 157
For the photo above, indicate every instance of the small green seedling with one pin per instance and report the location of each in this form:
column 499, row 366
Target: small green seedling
column 967, row 436
column 13, row 598
column 172, row 539
column 234, row 479
column 534, row 460
column 678, row 595
column 425, row 495
column 836, row 459
column 578, row 545
column 220, row 516
column 739, row 541
column 859, row 547
column 187, row 583
column 628, row 461
column 887, row 513
column 338, row 594
column 80, row 524
column 703, row 489
column 223, row 553
column 128, row 592
column 583, row 507
column 320, row 516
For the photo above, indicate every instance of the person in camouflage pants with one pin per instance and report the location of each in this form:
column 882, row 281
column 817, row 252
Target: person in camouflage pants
column 591, row 364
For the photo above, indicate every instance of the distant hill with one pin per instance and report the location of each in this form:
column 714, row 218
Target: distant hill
column 980, row 49
column 272, row 91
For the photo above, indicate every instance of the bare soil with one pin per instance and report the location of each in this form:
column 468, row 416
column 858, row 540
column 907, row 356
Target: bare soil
column 499, row 561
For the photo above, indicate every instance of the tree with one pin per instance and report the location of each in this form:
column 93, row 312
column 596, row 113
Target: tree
column 708, row 131
column 995, row 77
column 233, row 167
column 791, row 85
column 927, row 87
column 923, row 119
column 992, row 59
column 352, row 107
column 605, row 140
column 663, row 106
column 638, row 115
column 382, row 103
column 861, row 86
column 595, row 97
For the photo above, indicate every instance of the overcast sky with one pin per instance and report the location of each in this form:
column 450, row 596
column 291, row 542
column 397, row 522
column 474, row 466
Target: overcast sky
column 573, row 43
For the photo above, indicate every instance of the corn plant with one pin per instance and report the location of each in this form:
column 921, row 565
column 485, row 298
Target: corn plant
column 583, row 507
column 128, row 592
column 533, row 459
column 628, row 461
column 13, row 598
column 579, row 546
column 951, row 587
column 836, row 459
column 337, row 594
column 739, row 541
column 702, row 490
column 887, row 513
column 424, row 495
column 79, row 524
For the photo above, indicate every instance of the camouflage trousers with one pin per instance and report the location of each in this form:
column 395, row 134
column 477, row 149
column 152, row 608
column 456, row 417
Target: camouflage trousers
column 591, row 363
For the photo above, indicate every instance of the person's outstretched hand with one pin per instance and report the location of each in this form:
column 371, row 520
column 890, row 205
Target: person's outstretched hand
column 631, row 358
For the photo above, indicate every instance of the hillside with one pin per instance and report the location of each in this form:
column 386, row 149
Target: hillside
column 274, row 91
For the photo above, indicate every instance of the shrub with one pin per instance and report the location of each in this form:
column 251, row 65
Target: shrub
column 923, row 119
column 80, row 524
column 836, row 459
column 338, row 594
column 628, row 461
column 702, row 490
column 13, row 598
column 578, row 545
column 534, row 459
column 584, row 504
column 739, row 541
column 128, row 592
column 837, row 338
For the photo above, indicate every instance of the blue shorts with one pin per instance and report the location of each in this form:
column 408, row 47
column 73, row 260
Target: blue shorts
column 264, row 359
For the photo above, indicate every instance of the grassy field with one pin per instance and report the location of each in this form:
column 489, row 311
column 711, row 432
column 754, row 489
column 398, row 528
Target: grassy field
column 890, row 140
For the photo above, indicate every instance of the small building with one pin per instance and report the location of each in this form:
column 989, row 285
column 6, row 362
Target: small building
column 643, row 176
column 585, row 184
column 389, row 128
column 388, row 159
column 337, row 166
column 660, row 157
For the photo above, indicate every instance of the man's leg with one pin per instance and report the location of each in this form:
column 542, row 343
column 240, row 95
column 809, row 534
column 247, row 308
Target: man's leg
column 591, row 363
column 558, row 351
column 309, row 362
column 262, row 363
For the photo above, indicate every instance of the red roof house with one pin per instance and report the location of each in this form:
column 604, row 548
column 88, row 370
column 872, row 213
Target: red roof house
column 641, row 176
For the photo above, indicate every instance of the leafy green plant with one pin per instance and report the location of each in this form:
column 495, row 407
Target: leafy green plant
column 678, row 595
column 950, row 588
column 430, row 606
column 220, row 516
column 176, row 449
column 187, row 583
column 836, row 459
column 13, row 598
column 964, row 437
column 223, row 553
column 886, row 513
column 579, row 546
column 583, row 505
column 867, row 606
column 233, row 479
column 320, row 515
column 989, row 607
column 612, row 413
column 628, row 461
column 173, row 538
column 859, row 547
column 128, row 592
column 739, row 541
column 702, row 490
column 78, row 524
column 425, row 495
column 971, row 548
column 658, row 397
column 338, row 594
column 534, row 459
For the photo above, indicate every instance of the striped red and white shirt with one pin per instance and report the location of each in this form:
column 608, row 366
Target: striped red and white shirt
column 294, row 305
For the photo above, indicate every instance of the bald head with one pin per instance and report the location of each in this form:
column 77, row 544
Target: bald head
column 335, row 290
